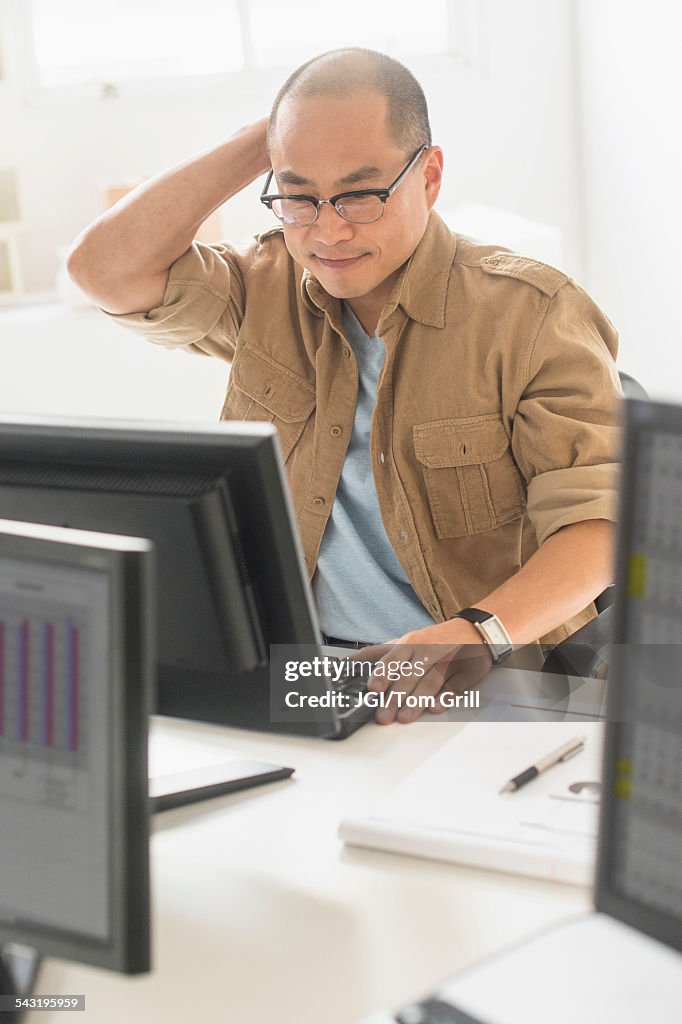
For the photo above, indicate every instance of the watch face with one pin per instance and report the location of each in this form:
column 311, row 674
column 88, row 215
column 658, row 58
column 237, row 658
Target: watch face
column 492, row 628
column 496, row 635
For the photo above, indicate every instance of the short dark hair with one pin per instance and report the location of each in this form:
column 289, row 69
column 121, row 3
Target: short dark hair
column 353, row 69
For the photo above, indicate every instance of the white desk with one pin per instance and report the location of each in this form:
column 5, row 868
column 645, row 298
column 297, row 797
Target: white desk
column 261, row 914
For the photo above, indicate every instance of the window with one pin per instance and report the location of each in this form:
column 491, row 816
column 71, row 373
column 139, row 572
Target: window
column 282, row 33
column 79, row 43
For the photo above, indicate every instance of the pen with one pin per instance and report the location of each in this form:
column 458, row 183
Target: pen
column 568, row 750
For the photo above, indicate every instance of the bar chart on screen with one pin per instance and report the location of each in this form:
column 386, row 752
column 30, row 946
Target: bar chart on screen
column 39, row 683
column 46, row 659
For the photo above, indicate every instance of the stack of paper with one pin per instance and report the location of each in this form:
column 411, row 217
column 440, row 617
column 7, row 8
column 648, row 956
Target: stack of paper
column 451, row 809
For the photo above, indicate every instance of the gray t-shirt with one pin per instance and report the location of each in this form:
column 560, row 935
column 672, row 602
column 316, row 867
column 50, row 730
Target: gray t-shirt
column 360, row 587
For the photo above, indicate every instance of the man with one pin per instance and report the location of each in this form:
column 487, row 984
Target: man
column 445, row 408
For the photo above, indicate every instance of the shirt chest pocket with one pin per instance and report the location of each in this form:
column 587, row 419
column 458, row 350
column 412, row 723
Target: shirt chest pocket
column 263, row 390
column 471, row 478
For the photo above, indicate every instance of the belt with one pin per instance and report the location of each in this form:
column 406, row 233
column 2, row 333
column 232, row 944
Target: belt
column 335, row 641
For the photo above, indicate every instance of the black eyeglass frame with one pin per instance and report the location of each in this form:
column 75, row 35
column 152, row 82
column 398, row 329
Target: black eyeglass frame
column 381, row 193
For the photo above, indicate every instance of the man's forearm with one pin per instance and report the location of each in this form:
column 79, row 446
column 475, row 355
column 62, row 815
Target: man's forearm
column 146, row 231
column 568, row 571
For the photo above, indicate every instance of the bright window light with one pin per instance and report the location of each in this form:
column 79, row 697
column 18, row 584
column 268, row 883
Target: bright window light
column 77, row 42
column 80, row 41
column 290, row 33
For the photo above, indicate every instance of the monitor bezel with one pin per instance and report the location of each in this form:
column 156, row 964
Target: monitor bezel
column 639, row 416
column 128, row 564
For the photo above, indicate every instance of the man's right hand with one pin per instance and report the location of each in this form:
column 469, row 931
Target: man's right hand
column 121, row 261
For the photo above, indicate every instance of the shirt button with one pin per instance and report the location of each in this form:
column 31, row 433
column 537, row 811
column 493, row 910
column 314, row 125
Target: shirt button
column 318, row 502
column 346, row 353
column 402, row 535
column 336, row 431
column 382, row 458
column 493, row 262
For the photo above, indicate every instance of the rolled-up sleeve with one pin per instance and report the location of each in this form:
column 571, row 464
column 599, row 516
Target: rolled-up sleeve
column 566, row 436
column 203, row 305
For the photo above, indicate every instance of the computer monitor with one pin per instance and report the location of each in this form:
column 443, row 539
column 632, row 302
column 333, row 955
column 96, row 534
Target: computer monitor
column 620, row 964
column 77, row 635
column 640, row 855
column 214, row 501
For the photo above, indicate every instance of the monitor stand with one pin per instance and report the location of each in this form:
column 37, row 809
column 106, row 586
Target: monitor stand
column 19, row 967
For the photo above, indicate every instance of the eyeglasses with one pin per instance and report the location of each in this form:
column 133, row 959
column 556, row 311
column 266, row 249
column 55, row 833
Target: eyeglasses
column 361, row 207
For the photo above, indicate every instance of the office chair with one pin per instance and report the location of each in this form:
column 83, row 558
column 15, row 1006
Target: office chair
column 586, row 652
column 631, row 387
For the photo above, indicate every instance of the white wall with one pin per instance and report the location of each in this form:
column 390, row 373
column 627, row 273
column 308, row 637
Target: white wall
column 630, row 85
column 507, row 128
column 62, row 361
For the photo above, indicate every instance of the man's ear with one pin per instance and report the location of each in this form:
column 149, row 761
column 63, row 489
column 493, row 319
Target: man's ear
column 433, row 173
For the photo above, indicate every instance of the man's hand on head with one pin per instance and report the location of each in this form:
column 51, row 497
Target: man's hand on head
column 449, row 656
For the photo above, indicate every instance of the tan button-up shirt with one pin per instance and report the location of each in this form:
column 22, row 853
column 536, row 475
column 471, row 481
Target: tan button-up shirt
column 495, row 418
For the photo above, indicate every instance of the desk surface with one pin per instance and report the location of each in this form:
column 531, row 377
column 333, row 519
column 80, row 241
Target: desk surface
column 261, row 914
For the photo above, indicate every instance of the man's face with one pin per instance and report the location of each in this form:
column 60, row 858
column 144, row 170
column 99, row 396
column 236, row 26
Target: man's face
column 326, row 145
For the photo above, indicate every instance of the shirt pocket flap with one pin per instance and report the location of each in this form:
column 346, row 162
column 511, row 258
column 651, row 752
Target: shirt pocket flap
column 273, row 385
column 460, row 442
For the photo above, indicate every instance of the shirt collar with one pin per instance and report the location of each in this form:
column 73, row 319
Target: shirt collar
column 421, row 288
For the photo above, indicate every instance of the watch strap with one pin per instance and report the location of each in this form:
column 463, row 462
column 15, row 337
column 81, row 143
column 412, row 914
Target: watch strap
column 474, row 615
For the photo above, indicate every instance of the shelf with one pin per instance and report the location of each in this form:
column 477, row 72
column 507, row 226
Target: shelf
column 10, row 289
column 10, row 212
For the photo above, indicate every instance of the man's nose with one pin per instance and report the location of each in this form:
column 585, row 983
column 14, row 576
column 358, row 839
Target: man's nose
column 330, row 228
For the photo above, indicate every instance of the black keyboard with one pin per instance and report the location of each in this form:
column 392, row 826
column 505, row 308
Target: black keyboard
column 354, row 712
column 434, row 1011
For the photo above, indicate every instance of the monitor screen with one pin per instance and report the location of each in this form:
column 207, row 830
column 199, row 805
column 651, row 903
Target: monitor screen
column 640, row 862
column 214, row 501
column 76, row 635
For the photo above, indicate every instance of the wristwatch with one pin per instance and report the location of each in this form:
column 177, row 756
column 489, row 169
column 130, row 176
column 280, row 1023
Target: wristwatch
column 492, row 632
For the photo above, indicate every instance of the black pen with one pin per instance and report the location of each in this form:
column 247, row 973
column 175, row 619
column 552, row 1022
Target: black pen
column 568, row 750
